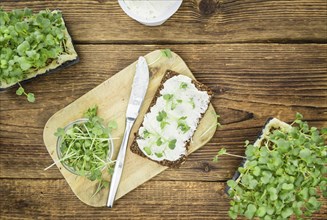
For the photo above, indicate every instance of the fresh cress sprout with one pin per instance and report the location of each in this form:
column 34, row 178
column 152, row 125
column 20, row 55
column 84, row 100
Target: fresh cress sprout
column 28, row 43
column 85, row 146
column 166, row 53
column 21, row 91
column 283, row 178
column 163, row 53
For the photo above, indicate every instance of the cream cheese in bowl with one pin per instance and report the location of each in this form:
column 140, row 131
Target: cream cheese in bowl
column 150, row 12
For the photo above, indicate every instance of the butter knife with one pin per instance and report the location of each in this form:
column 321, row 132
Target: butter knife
column 139, row 88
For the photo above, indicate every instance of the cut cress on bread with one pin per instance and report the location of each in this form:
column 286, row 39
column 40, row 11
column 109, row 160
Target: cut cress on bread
column 171, row 120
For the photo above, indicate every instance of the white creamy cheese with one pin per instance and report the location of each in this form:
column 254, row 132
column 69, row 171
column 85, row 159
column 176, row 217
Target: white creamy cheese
column 149, row 9
column 173, row 119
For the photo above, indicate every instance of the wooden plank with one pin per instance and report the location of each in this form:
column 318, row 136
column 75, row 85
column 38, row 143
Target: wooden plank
column 251, row 82
column 196, row 21
column 112, row 97
column 28, row 199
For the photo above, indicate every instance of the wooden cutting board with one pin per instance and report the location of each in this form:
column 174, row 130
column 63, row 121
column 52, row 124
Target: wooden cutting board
column 112, row 97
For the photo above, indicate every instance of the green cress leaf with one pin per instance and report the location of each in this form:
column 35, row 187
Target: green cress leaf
column 161, row 116
column 159, row 142
column 192, row 103
column 147, row 150
column 314, row 202
column 112, row 125
column 183, row 85
column 215, row 159
column 231, row 183
column 159, row 155
column 250, row 211
column 168, row 97
column 305, row 153
column 298, row 116
column 146, row 134
column 181, row 123
column 23, row 47
column 172, row 144
column 20, row 91
column 60, row 132
column 232, row 215
column 287, row 186
column 91, row 112
column 261, row 211
column 24, row 64
column 166, row 53
column 256, row 171
column 221, row 151
column 163, row 124
column 287, row 213
column 183, row 127
column 30, row 97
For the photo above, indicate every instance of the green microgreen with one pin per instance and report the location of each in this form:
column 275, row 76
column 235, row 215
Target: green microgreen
column 191, row 101
column 21, row 91
column 84, row 147
column 146, row 134
column 159, row 142
column 159, row 155
column 147, row 150
column 223, row 151
column 168, row 97
column 163, row 124
column 282, row 178
column 182, row 125
column 183, row 85
column 162, row 115
column 166, row 53
column 172, row 144
column 28, row 42
column 112, row 125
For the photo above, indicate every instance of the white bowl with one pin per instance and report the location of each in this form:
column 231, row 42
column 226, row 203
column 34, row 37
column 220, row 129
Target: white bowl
column 158, row 20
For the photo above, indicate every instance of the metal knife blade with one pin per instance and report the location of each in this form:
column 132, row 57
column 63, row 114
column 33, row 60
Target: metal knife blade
column 139, row 88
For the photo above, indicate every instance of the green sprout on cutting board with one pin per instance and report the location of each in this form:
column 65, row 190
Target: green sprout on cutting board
column 85, row 148
column 163, row 53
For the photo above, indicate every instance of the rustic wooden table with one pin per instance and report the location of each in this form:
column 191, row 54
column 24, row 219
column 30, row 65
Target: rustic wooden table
column 261, row 58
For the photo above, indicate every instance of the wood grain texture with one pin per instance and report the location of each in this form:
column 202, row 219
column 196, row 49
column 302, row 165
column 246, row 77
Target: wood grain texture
column 197, row 21
column 29, row 199
column 252, row 82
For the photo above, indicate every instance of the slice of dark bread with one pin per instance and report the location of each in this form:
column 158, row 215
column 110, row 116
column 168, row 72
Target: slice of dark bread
column 173, row 164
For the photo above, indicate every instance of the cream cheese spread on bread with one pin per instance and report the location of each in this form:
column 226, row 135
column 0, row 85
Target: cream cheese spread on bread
column 172, row 121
